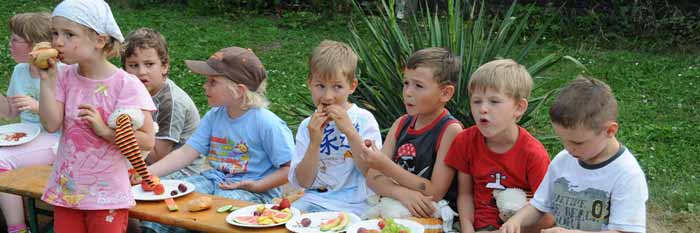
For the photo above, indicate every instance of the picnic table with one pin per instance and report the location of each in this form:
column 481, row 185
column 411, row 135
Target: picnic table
column 30, row 182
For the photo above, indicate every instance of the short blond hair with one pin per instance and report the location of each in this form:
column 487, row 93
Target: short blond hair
column 34, row 27
column 503, row 75
column 330, row 57
column 253, row 99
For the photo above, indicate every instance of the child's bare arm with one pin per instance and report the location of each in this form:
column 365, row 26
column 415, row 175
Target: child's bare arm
column 526, row 216
column 50, row 110
column 307, row 169
column 465, row 202
column 442, row 175
column 160, row 149
column 270, row 181
column 6, row 110
column 378, row 182
column 174, row 161
column 145, row 136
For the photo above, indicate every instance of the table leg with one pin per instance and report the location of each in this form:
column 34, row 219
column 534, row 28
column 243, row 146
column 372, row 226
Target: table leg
column 33, row 223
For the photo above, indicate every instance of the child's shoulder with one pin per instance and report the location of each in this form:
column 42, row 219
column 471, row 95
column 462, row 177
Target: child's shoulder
column 530, row 143
column 364, row 113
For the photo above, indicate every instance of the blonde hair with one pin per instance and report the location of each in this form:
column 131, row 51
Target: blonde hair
column 503, row 75
column 253, row 99
column 329, row 57
column 585, row 101
column 34, row 27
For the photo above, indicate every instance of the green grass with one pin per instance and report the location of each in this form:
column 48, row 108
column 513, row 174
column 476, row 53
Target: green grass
column 658, row 104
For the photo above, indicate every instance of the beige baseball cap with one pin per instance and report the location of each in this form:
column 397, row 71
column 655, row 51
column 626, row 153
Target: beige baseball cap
column 235, row 63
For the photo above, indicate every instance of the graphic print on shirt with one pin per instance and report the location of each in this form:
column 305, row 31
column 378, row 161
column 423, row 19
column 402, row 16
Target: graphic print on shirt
column 498, row 177
column 83, row 150
column 228, row 156
column 334, row 149
column 406, row 157
column 587, row 209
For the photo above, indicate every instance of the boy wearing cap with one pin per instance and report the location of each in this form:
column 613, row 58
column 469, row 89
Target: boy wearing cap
column 247, row 146
column 327, row 162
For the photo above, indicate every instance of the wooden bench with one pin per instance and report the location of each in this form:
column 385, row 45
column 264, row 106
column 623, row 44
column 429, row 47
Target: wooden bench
column 30, row 182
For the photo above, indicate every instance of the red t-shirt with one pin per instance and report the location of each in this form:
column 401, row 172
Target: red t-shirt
column 523, row 166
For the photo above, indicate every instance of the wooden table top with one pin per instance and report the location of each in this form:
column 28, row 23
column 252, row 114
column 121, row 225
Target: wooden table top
column 30, row 182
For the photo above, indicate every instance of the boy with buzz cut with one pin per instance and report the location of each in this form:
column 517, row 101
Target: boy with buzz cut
column 496, row 153
column 595, row 184
column 146, row 56
column 327, row 161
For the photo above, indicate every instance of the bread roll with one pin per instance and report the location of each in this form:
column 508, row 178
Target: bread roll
column 41, row 53
column 199, row 204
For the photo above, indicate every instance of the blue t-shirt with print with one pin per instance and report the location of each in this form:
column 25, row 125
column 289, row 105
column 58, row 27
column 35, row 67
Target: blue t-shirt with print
column 248, row 147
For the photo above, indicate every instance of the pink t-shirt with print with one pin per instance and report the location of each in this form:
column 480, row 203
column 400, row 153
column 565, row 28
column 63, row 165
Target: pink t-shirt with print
column 89, row 173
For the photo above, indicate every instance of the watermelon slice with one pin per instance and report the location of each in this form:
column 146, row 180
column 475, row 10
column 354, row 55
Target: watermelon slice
column 246, row 219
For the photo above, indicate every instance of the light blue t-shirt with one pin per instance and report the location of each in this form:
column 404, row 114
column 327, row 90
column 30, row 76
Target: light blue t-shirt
column 248, row 147
column 22, row 83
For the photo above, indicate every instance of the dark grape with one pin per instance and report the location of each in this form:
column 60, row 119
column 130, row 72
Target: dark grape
column 182, row 188
column 173, row 193
column 305, row 222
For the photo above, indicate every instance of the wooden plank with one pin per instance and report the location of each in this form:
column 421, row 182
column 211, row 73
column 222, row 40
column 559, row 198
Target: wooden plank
column 30, row 182
column 25, row 181
column 206, row 221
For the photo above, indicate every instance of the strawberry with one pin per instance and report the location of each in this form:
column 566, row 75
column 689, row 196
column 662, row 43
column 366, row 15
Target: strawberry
column 284, row 203
column 381, row 224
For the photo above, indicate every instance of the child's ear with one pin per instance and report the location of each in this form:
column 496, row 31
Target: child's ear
column 446, row 93
column 520, row 107
column 611, row 129
column 164, row 69
column 102, row 41
column 308, row 83
column 353, row 85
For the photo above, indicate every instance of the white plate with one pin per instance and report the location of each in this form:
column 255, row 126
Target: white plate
column 294, row 225
column 32, row 131
column 169, row 185
column 248, row 211
column 372, row 224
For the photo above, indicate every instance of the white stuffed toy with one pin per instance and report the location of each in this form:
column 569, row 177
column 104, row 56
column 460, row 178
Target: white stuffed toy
column 136, row 116
column 509, row 201
column 386, row 207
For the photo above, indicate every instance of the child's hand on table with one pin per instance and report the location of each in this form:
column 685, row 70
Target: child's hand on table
column 243, row 184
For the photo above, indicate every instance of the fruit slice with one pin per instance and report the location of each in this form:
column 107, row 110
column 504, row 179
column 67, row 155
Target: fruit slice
column 171, row 204
column 246, row 219
column 281, row 217
column 265, row 220
column 332, row 223
column 225, row 208
column 343, row 222
column 159, row 189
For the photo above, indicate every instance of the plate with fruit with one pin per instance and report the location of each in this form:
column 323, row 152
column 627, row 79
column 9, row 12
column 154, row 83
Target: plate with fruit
column 170, row 189
column 262, row 215
column 386, row 226
column 322, row 222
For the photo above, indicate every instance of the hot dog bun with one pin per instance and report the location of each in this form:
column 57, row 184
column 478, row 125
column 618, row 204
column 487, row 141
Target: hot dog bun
column 41, row 53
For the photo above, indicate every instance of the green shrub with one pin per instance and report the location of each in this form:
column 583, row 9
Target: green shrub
column 466, row 30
